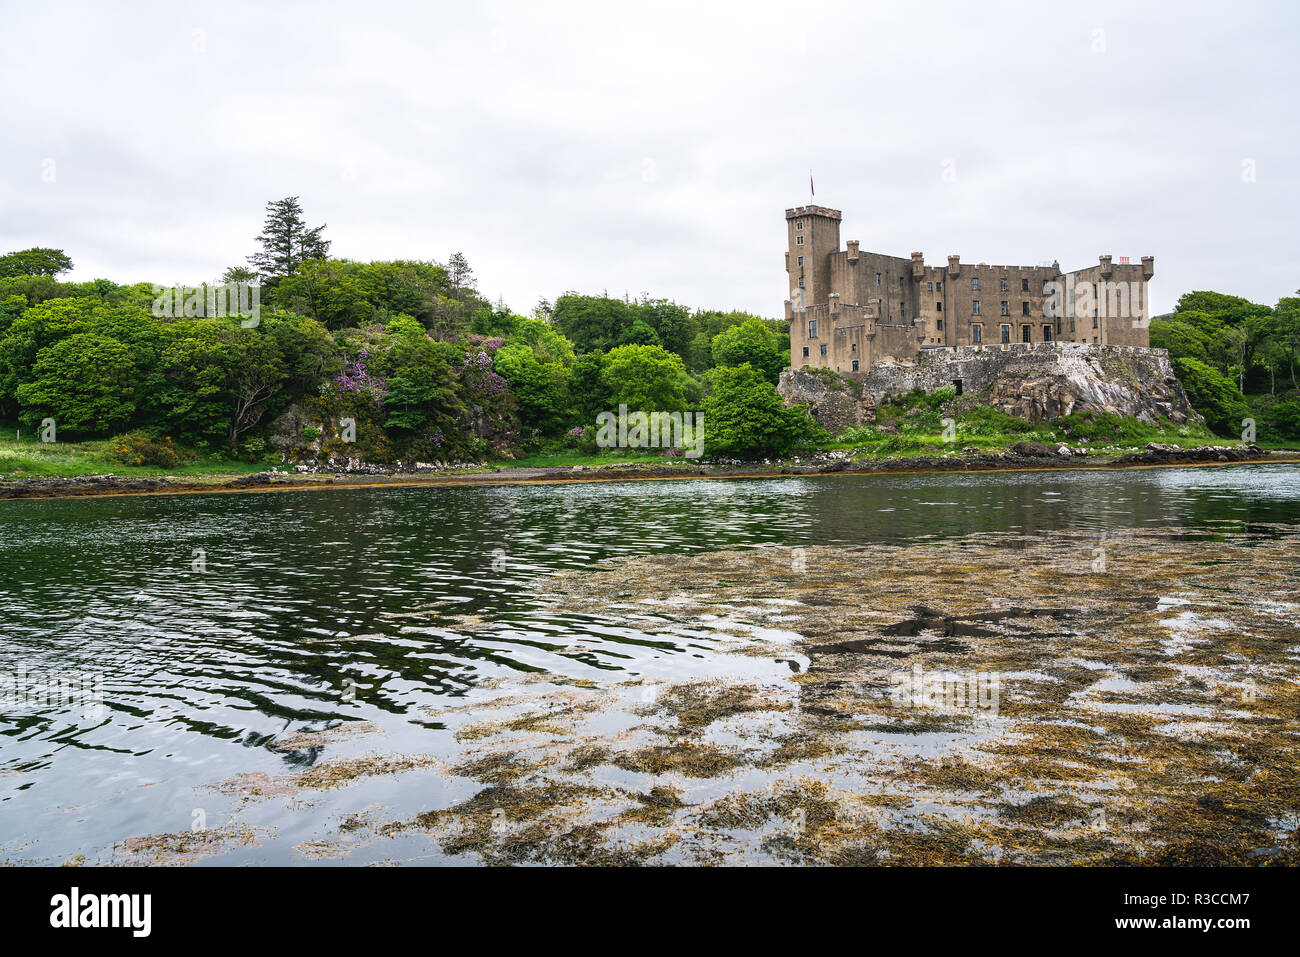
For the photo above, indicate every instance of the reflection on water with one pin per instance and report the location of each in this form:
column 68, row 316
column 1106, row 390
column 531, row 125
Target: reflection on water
column 219, row 622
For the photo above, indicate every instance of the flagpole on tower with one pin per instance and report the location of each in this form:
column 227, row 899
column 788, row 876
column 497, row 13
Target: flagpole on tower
column 812, row 193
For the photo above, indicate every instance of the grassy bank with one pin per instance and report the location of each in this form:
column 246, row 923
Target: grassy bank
column 25, row 456
column 906, row 427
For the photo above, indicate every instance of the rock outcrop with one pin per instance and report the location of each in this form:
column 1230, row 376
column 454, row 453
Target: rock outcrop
column 833, row 400
column 1038, row 382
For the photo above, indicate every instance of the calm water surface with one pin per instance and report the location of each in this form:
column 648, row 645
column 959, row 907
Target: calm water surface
column 220, row 622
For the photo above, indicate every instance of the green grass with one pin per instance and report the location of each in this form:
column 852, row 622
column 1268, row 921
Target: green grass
column 28, row 457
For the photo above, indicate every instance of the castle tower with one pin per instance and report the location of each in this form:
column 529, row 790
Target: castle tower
column 813, row 234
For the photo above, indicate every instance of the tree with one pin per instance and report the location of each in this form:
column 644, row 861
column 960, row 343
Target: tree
column 461, row 276
column 423, row 392
column 750, row 342
column 255, row 376
column 674, row 325
column 37, row 261
column 744, row 416
column 639, row 334
column 591, row 323
column 83, row 382
column 328, row 290
column 1212, row 394
column 286, row 242
column 538, row 387
column 644, row 378
column 238, row 274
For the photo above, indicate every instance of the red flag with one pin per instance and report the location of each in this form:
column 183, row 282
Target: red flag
column 811, row 191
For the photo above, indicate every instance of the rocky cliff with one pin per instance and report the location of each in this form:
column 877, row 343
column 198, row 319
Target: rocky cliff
column 1038, row 382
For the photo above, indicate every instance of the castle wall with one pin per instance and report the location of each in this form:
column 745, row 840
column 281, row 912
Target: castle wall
column 852, row 307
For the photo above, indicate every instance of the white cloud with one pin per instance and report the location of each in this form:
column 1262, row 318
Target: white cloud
column 521, row 135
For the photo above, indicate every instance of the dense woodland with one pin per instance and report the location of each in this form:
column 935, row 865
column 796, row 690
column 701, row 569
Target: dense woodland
column 432, row 370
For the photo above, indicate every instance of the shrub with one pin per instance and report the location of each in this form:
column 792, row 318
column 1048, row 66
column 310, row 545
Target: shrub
column 136, row 448
column 945, row 393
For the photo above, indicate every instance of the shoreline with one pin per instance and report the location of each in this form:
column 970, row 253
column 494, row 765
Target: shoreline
column 95, row 486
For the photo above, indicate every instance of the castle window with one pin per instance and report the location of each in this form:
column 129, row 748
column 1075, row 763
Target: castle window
column 1006, row 332
column 938, row 324
column 1024, row 285
column 977, row 333
column 801, row 262
column 929, row 287
column 1047, row 286
column 938, row 306
column 801, row 282
column 798, row 240
column 877, row 279
column 1072, row 323
column 805, row 352
column 975, row 284
column 1094, row 322
column 1006, row 311
column 975, row 307
column 1026, row 333
column 1047, row 333
column 812, row 328
column 798, row 224
column 938, row 286
column 854, row 347
column 1003, row 284
column 900, row 282
column 1024, row 308
column 855, row 365
column 823, row 350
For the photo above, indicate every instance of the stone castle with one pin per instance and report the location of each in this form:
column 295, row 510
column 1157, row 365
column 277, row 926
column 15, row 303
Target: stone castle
column 850, row 309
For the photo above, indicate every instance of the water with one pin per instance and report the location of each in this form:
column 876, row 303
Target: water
column 221, row 623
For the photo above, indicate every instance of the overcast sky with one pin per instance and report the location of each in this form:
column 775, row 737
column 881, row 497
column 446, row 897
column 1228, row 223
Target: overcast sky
column 653, row 147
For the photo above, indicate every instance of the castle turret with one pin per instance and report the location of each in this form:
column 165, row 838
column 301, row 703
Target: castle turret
column 814, row 233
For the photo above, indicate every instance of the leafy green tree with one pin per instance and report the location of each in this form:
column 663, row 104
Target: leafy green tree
column 591, row 323
column 196, row 366
column 1212, row 394
column 329, row 290
column 38, row 261
column 589, row 395
column 236, row 274
column 674, row 325
column 256, row 374
column 745, row 418
column 644, row 378
column 539, row 387
column 639, row 334
column 83, row 382
column 423, row 393
column 750, row 342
